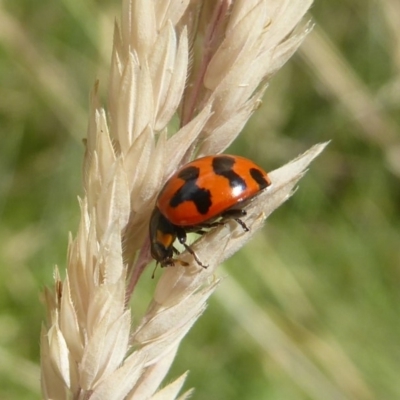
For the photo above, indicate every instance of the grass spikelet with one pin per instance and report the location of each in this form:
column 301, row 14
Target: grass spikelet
column 89, row 349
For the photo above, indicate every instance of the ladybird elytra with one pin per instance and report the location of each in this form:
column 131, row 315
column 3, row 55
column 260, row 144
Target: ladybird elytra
column 197, row 195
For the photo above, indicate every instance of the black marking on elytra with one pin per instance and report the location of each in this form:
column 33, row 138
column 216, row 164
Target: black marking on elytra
column 222, row 166
column 189, row 173
column 191, row 192
column 258, row 176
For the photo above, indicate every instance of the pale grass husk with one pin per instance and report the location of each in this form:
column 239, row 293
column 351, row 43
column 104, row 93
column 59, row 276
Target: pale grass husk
column 89, row 349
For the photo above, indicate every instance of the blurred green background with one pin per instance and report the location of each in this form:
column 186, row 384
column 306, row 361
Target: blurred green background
column 310, row 309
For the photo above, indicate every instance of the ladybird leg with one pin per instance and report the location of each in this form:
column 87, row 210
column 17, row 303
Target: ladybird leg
column 181, row 234
column 189, row 249
column 236, row 214
column 213, row 224
column 242, row 224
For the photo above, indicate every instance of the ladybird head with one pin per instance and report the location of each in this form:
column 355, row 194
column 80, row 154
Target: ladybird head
column 162, row 237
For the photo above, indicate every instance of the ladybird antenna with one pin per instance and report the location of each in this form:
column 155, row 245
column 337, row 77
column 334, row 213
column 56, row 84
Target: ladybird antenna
column 154, row 271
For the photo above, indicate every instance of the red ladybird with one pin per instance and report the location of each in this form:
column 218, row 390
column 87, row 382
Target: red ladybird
column 202, row 194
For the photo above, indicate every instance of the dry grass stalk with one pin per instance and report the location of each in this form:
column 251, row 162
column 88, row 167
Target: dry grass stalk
column 88, row 349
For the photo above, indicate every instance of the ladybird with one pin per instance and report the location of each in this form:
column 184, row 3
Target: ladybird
column 202, row 194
